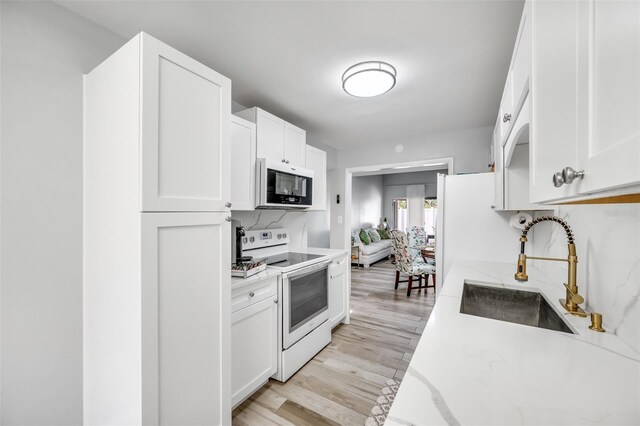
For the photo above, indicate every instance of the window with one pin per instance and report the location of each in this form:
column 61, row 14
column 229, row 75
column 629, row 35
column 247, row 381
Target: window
column 400, row 213
column 430, row 215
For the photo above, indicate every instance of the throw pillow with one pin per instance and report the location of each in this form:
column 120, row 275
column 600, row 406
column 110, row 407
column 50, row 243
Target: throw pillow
column 364, row 237
column 356, row 237
column 384, row 234
column 373, row 233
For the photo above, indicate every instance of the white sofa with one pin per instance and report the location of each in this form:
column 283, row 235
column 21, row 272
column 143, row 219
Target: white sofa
column 371, row 253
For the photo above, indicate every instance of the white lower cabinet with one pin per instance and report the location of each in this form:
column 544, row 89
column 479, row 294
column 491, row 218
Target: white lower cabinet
column 254, row 337
column 337, row 290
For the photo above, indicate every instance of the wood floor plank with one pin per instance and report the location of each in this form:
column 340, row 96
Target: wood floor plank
column 342, row 382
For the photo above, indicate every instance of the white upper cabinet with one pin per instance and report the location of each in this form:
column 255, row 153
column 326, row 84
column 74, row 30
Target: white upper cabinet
column 612, row 153
column 316, row 160
column 511, row 135
column 586, row 102
column 270, row 135
column 185, row 110
column 295, row 141
column 516, row 86
column 243, row 164
column 275, row 138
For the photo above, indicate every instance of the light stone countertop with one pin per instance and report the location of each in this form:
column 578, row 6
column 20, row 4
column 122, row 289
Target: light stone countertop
column 473, row 370
column 237, row 282
column 332, row 253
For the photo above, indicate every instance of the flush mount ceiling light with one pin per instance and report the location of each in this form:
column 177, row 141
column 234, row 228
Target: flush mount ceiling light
column 367, row 79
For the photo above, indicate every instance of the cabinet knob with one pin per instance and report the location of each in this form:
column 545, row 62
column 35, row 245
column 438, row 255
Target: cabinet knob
column 227, row 204
column 567, row 175
column 252, row 294
column 284, row 161
column 228, row 218
column 558, row 181
column 506, row 117
column 275, row 301
column 287, row 161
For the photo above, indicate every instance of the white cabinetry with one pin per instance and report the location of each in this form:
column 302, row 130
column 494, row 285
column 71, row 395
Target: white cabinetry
column 511, row 135
column 156, row 293
column 243, row 164
column 337, row 290
column 254, row 337
column 184, row 129
column 316, row 160
column 586, row 107
column 276, row 139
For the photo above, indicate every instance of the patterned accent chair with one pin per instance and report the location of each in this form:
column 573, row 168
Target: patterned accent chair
column 407, row 264
column 417, row 236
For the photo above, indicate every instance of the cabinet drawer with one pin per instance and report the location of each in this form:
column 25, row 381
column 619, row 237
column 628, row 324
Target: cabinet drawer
column 338, row 267
column 253, row 293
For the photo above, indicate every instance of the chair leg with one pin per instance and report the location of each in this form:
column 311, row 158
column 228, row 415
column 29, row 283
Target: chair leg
column 409, row 286
column 434, row 284
column 397, row 278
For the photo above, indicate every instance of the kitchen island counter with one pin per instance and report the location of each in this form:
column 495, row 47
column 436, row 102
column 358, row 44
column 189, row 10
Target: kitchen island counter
column 474, row 370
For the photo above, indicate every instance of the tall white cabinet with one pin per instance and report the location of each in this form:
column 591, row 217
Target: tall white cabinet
column 156, row 285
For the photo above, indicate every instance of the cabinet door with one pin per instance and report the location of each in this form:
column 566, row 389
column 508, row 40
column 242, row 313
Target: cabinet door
column 337, row 291
column 521, row 63
column 295, row 142
column 507, row 116
column 185, row 113
column 254, row 340
column 243, row 164
column 186, row 319
column 316, row 160
column 270, row 136
column 559, row 92
column 612, row 150
column 498, row 168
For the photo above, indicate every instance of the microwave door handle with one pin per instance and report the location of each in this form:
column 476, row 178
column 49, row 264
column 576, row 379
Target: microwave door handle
column 308, row 270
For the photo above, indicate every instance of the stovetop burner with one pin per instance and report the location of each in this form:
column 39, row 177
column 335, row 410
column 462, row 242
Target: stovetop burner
column 290, row 258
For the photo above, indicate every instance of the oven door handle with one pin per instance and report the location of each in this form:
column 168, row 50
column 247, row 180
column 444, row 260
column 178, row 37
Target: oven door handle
column 307, row 270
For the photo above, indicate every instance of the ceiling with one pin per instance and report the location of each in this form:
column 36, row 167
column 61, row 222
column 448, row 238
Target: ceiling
column 288, row 58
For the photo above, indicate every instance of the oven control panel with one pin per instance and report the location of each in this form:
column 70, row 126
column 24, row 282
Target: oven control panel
column 264, row 238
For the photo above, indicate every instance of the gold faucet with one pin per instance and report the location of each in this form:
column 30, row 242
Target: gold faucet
column 573, row 300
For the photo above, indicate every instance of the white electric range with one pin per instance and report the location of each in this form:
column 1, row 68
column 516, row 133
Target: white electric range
column 303, row 291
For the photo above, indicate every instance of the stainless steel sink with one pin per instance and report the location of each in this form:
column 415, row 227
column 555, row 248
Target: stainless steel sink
column 518, row 306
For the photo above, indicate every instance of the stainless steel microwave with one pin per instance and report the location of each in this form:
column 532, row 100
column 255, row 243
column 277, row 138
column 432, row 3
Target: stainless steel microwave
column 283, row 186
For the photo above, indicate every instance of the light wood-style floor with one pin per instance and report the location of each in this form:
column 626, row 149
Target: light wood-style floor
column 340, row 384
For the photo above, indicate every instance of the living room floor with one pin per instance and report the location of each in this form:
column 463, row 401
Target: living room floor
column 340, row 385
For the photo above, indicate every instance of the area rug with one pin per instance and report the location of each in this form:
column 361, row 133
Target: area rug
column 383, row 403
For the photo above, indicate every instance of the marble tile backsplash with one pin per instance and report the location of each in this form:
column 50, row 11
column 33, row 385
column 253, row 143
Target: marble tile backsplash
column 294, row 221
column 607, row 239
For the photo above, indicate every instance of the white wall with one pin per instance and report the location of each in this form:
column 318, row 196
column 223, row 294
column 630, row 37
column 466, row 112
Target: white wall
column 366, row 201
column 45, row 50
column 607, row 239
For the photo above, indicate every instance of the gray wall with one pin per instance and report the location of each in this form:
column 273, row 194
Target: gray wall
column 45, row 50
column 366, row 201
